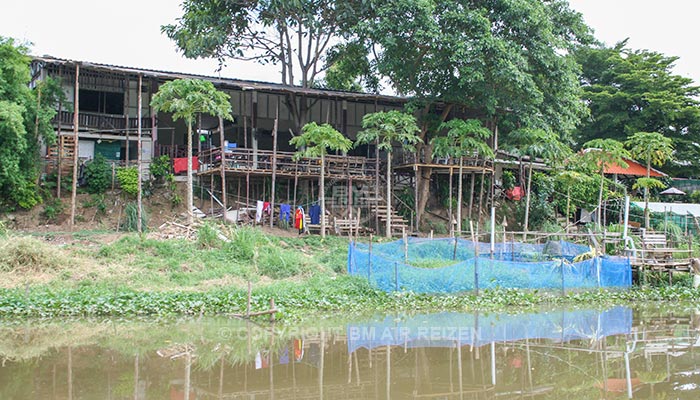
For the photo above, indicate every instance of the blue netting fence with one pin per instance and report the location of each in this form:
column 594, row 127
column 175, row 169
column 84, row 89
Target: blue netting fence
column 447, row 329
column 450, row 265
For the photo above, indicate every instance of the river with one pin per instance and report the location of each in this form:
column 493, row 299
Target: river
column 550, row 354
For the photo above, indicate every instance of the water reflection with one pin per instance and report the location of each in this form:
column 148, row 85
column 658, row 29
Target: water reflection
column 577, row 354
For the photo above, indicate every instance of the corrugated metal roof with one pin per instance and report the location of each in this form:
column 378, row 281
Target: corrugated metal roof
column 675, row 208
column 634, row 169
column 236, row 83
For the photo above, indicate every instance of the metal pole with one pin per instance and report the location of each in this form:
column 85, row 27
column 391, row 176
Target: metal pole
column 493, row 230
column 561, row 266
column 76, row 111
column 627, row 218
column 369, row 260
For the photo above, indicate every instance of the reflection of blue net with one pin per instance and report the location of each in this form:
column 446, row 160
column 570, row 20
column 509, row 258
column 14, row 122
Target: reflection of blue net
column 440, row 266
column 448, row 329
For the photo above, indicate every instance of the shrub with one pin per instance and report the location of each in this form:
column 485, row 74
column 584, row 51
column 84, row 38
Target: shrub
column 52, row 209
column 128, row 180
column 208, row 237
column 160, row 167
column 131, row 222
column 98, row 175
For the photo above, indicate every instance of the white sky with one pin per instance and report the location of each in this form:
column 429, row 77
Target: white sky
column 127, row 32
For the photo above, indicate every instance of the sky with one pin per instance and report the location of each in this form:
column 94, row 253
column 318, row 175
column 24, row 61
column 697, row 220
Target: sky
column 127, row 32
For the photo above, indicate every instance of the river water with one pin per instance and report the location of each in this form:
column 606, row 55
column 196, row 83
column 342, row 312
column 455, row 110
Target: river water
column 616, row 352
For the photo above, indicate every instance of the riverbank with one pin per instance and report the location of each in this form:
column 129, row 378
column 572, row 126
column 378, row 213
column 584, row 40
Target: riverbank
column 105, row 274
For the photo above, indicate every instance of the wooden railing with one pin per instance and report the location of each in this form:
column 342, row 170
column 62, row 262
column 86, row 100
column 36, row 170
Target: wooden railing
column 261, row 161
column 102, row 121
column 408, row 158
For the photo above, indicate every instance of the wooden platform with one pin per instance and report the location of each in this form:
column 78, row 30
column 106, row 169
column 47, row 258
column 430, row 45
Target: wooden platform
column 242, row 161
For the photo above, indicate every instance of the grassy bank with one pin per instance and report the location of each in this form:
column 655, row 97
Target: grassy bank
column 97, row 274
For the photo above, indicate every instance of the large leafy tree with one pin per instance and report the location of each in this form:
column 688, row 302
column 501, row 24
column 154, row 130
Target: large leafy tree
column 631, row 91
column 602, row 153
column 294, row 34
column 386, row 128
column 25, row 122
column 652, row 148
column 315, row 141
column 465, row 138
column 536, row 143
column 507, row 60
column 185, row 99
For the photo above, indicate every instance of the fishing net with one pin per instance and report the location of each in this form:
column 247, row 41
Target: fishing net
column 455, row 265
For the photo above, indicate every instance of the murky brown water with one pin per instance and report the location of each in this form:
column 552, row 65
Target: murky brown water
column 578, row 354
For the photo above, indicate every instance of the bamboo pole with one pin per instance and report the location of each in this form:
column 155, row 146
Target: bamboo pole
column 76, row 111
column 60, row 152
column 126, row 117
column 139, row 194
column 274, row 166
column 223, row 167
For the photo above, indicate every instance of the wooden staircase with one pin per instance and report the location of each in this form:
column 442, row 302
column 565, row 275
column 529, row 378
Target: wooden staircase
column 63, row 150
column 398, row 222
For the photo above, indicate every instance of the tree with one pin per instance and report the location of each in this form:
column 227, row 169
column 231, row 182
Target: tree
column 185, row 98
column 631, row 91
column 25, row 123
column 602, row 153
column 536, row 143
column 293, row 34
column 506, row 60
column 654, row 149
column 464, row 138
column 315, row 141
column 386, row 128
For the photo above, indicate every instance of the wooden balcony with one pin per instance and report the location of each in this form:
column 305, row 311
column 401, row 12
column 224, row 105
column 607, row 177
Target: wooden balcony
column 246, row 161
column 106, row 122
column 407, row 161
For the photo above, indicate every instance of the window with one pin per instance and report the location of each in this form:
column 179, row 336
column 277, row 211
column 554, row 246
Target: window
column 101, row 102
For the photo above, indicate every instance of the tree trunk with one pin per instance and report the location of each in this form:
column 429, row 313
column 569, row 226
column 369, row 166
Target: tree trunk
column 646, row 196
column 139, row 194
column 527, row 200
column 450, row 214
column 388, row 194
column 76, row 112
column 459, row 196
column 322, row 196
column 600, row 200
column 190, row 199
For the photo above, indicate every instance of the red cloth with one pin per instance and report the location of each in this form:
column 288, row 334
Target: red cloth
column 299, row 219
column 180, row 164
column 515, row 194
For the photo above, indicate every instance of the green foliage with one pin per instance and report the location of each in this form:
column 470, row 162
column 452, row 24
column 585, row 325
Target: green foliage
column 160, row 167
column 128, row 178
column 185, row 98
column 316, row 140
column 652, row 148
column 388, row 127
column 648, row 183
column 508, row 179
column 465, row 138
column 694, row 197
column 131, row 218
column 208, row 237
column 491, row 56
column 52, row 209
column 25, row 123
column 98, row 175
column 636, row 90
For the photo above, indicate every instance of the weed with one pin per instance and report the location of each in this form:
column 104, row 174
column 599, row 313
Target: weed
column 26, row 254
column 52, row 209
column 131, row 218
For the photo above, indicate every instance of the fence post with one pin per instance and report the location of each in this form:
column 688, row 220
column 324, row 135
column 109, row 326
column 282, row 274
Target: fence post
column 563, row 289
column 396, row 275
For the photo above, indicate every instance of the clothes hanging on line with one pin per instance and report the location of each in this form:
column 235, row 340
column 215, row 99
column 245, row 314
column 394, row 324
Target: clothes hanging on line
column 315, row 214
column 285, row 212
column 259, row 211
column 299, row 219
